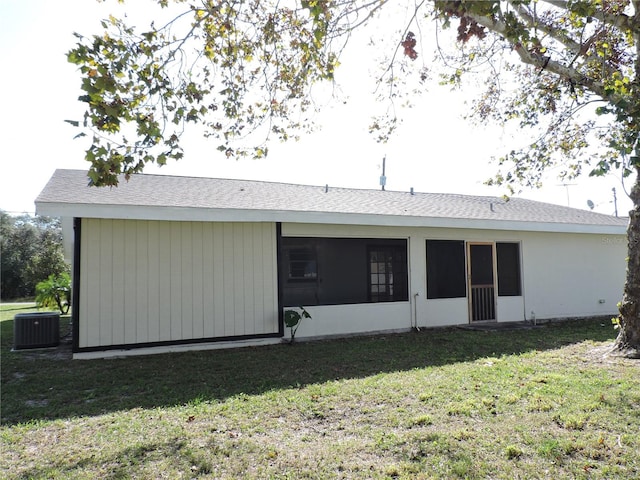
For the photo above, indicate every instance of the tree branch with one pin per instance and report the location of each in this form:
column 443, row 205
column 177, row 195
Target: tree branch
column 544, row 62
column 557, row 34
column 620, row 20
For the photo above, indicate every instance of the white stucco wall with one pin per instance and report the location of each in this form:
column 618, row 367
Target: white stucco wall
column 358, row 318
column 156, row 281
column 568, row 275
column 563, row 275
column 510, row 309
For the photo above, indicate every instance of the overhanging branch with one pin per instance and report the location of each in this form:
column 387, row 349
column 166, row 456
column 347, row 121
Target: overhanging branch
column 546, row 62
column 619, row 20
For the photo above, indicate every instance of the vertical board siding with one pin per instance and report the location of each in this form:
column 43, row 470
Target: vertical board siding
column 164, row 280
column 106, row 285
column 160, row 281
column 142, row 282
column 117, row 280
column 198, row 279
column 228, row 280
column 175, row 285
column 269, row 288
column 129, row 281
column 239, row 292
column 208, row 311
column 153, row 284
column 219, row 308
column 257, row 281
column 187, row 281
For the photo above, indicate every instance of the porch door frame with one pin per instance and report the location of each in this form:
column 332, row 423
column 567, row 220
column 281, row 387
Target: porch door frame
column 486, row 309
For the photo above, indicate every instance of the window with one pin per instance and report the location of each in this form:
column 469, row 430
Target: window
column 508, row 260
column 338, row 271
column 446, row 274
column 387, row 274
column 302, row 264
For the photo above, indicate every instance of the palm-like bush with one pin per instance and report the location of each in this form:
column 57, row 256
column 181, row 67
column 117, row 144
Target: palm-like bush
column 55, row 292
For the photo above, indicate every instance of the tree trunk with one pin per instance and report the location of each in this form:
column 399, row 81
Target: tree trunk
column 628, row 341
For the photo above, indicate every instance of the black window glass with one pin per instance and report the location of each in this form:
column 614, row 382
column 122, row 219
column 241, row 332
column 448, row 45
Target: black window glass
column 446, row 276
column 508, row 260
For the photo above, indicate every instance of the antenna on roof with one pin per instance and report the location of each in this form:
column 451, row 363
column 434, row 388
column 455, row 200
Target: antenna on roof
column 383, row 178
column 566, row 186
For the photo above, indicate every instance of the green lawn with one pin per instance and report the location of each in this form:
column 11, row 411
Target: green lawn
column 446, row 403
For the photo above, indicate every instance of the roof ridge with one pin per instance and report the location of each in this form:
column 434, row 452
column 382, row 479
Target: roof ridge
column 271, row 182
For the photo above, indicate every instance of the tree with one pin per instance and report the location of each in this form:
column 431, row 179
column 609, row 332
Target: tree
column 568, row 70
column 31, row 251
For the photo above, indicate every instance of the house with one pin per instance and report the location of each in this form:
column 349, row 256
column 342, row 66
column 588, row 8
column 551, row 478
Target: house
column 163, row 263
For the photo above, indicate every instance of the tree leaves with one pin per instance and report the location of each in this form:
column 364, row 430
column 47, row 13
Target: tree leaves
column 244, row 71
column 572, row 60
column 31, row 251
column 236, row 68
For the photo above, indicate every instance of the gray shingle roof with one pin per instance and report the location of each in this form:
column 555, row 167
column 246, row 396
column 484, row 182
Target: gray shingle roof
column 70, row 188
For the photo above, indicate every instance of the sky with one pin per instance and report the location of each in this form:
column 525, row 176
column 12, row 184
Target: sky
column 434, row 150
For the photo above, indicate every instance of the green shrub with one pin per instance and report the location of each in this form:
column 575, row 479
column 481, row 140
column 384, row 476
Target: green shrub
column 55, row 292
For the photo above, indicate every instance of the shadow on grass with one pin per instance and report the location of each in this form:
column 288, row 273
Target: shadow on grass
column 120, row 464
column 49, row 386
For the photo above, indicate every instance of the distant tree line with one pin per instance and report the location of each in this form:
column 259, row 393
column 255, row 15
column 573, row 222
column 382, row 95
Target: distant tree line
column 30, row 251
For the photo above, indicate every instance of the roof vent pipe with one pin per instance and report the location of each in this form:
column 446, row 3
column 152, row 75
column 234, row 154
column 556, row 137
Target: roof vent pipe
column 411, row 190
column 326, row 188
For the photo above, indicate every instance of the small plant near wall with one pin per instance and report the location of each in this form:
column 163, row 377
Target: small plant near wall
column 292, row 320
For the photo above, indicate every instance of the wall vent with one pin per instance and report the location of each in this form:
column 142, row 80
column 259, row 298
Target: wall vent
column 36, row 330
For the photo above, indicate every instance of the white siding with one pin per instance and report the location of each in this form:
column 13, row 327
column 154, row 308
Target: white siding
column 151, row 281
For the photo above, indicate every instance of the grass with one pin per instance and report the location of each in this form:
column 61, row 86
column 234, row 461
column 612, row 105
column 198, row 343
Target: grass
column 446, row 403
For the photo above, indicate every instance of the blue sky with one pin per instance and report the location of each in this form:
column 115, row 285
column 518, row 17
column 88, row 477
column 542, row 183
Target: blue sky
column 434, row 151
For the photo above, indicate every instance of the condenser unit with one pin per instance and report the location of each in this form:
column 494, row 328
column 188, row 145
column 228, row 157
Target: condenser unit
column 36, row 330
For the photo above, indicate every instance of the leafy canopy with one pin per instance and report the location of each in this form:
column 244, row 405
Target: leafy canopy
column 232, row 67
column 566, row 69
column 30, row 250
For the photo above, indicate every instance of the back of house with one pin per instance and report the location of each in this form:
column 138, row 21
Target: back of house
column 162, row 263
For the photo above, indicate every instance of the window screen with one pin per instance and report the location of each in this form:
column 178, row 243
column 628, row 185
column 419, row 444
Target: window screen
column 338, row 271
column 446, row 276
column 508, row 260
